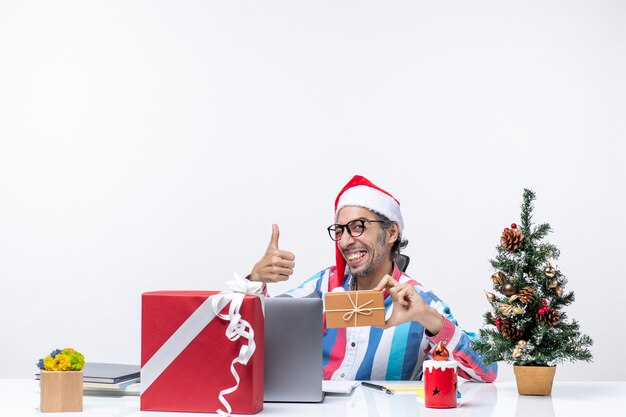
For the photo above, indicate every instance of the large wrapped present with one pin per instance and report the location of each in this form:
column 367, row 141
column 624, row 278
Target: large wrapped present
column 354, row 308
column 195, row 360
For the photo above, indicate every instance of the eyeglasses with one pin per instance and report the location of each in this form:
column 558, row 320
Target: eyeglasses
column 355, row 228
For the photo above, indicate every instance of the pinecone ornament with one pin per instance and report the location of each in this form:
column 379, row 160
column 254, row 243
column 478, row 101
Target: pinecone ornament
column 510, row 331
column 550, row 317
column 526, row 295
column 512, row 239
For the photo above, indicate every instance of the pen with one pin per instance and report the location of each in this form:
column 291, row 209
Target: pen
column 378, row 387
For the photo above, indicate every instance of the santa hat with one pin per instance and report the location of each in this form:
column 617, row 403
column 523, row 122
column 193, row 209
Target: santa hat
column 361, row 192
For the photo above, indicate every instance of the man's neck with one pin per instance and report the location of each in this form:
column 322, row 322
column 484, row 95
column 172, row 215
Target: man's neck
column 370, row 281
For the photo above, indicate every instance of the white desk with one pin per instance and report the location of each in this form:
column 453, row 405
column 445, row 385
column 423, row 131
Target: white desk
column 20, row 397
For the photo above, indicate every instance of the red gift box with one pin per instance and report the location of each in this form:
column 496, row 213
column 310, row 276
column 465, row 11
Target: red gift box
column 186, row 363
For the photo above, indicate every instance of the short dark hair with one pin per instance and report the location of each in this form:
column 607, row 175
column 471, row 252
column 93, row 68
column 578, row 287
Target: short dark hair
column 400, row 243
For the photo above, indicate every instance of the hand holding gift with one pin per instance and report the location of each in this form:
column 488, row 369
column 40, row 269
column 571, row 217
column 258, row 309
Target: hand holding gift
column 408, row 306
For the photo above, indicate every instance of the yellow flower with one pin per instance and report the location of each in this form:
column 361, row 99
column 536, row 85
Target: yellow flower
column 67, row 359
column 62, row 363
column 48, row 363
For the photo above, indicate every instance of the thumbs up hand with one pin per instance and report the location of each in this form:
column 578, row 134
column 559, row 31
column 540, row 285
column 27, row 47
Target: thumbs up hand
column 275, row 265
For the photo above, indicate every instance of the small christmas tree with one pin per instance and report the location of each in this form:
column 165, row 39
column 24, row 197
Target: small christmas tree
column 527, row 324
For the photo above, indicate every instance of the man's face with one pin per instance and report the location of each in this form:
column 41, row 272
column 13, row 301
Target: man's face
column 365, row 253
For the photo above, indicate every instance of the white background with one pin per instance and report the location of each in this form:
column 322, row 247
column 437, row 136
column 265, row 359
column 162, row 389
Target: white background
column 150, row 145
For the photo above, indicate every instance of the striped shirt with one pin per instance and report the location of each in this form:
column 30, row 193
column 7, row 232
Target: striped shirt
column 397, row 353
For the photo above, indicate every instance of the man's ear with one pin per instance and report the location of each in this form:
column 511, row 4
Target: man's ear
column 393, row 233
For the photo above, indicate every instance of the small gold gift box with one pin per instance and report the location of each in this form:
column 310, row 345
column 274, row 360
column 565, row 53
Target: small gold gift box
column 354, row 308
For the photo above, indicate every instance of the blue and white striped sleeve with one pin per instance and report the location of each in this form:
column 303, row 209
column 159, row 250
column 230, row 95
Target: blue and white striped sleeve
column 311, row 288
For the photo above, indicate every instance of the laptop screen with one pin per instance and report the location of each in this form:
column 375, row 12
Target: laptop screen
column 293, row 349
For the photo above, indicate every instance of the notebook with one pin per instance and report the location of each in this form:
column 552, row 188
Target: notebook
column 293, row 350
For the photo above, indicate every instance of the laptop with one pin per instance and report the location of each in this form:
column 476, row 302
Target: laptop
column 293, row 350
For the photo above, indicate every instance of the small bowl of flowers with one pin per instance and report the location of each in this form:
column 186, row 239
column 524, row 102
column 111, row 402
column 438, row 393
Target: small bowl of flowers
column 62, row 381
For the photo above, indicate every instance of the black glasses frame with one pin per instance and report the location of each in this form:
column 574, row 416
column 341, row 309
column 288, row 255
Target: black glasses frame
column 335, row 230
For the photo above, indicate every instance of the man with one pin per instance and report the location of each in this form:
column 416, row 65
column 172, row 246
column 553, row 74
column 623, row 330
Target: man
column 368, row 235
